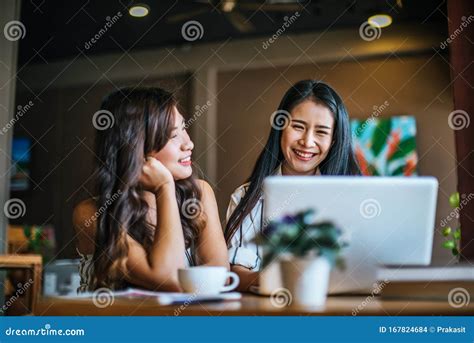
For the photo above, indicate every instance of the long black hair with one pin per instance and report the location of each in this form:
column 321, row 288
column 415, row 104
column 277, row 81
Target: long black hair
column 140, row 122
column 339, row 161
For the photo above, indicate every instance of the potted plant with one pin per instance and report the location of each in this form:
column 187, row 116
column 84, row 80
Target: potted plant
column 40, row 241
column 306, row 251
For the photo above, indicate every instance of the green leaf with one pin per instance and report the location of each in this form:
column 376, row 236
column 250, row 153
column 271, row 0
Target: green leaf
column 330, row 254
column 398, row 171
column 455, row 251
column 307, row 217
column 27, row 231
column 446, row 231
column 457, row 234
column 449, row 245
column 405, row 147
column 373, row 170
column 454, row 200
column 379, row 138
column 270, row 256
column 37, row 234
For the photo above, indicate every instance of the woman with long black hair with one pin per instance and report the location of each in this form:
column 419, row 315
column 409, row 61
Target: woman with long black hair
column 150, row 215
column 310, row 135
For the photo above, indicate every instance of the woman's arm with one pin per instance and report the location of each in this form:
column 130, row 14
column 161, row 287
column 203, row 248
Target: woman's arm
column 158, row 270
column 247, row 277
column 211, row 247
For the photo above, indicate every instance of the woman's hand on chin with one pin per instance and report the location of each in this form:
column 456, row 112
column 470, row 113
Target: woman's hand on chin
column 155, row 175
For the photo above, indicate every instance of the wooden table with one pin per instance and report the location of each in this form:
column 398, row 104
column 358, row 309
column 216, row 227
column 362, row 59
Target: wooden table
column 251, row 305
column 34, row 265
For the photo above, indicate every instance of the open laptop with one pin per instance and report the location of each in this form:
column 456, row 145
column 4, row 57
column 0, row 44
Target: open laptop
column 385, row 220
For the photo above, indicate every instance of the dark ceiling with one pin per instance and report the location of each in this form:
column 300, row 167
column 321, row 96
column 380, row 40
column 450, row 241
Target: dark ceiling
column 60, row 29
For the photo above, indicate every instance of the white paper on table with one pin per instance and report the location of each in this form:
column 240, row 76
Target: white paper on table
column 163, row 298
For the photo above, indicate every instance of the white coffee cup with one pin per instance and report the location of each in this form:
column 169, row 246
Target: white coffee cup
column 206, row 280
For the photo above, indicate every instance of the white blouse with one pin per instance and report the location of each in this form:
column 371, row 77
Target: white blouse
column 242, row 250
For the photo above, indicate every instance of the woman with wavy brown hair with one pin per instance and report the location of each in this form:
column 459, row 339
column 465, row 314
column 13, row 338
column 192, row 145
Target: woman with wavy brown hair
column 150, row 216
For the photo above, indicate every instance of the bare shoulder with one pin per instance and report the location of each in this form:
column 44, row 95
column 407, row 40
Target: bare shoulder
column 205, row 187
column 83, row 220
column 83, row 212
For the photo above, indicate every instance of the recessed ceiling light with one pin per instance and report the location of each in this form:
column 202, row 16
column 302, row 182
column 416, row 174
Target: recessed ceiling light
column 380, row 20
column 139, row 10
column 228, row 5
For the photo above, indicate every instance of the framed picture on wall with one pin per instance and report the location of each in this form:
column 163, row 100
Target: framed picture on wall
column 21, row 164
column 386, row 146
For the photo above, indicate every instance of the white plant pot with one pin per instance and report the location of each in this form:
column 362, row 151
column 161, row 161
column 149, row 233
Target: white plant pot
column 270, row 278
column 307, row 280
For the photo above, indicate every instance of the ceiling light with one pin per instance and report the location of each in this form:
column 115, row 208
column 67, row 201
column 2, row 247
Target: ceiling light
column 380, row 20
column 139, row 10
column 229, row 5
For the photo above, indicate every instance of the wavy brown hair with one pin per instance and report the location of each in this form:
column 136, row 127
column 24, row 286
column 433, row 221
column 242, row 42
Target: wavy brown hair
column 139, row 121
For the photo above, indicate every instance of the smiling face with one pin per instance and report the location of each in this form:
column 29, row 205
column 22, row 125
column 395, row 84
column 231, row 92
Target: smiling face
column 306, row 141
column 176, row 154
